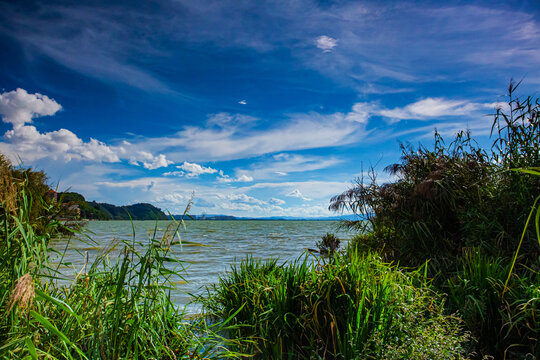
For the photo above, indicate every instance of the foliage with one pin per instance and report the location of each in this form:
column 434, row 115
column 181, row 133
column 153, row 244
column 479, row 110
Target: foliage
column 355, row 307
column 466, row 210
column 328, row 244
column 104, row 211
column 503, row 324
column 455, row 197
column 39, row 206
column 114, row 309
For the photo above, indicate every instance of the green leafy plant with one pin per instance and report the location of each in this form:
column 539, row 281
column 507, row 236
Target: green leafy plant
column 328, row 244
column 355, row 307
column 118, row 307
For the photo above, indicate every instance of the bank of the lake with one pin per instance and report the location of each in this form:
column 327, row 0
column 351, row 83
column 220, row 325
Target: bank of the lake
column 208, row 248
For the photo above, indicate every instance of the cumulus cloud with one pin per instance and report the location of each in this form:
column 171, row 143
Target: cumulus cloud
column 194, row 170
column 296, row 193
column 18, row 107
column 242, row 102
column 30, row 144
column 149, row 161
column 326, row 43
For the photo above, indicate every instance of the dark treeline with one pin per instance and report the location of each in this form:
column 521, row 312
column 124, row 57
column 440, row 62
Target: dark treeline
column 104, row 211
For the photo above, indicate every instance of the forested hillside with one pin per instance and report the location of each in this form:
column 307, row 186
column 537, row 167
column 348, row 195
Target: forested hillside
column 104, row 211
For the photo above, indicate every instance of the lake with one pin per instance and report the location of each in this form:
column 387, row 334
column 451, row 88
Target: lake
column 213, row 245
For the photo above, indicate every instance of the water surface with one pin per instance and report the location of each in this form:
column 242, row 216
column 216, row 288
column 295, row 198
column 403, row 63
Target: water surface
column 217, row 245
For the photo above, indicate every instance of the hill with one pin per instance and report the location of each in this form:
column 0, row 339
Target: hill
column 103, row 211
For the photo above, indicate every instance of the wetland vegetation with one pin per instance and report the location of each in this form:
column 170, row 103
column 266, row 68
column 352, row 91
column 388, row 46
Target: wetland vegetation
column 445, row 267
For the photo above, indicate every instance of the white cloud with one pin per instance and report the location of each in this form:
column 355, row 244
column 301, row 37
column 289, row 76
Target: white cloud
column 28, row 143
column 296, row 193
column 194, row 170
column 300, row 131
column 172, row 199
column 174, row 173
column 227, row 120
column 244, row 178
column 431, row 108
column 228, row 179
column 320, row 190
column 242, row 102
column 424, row 109
column 149, row 161
column 282, row 164
column 18, row 107
column 326, row 43
column 276, row 201
column 157, row 162
column 245, row 199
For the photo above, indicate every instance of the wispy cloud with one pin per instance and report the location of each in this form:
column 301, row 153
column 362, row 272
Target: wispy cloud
column 241, row 178
column 299, row 131
column 283, row 164
column 91, row 41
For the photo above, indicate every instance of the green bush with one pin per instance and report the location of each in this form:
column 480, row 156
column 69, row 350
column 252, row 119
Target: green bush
column 465, row 210
column 355, row 307
column 328, row 244
column 456, row 197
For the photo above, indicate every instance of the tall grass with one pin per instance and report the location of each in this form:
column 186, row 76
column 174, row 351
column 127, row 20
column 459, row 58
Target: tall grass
column 467, row 210
column 355, row 306
column 118, row 307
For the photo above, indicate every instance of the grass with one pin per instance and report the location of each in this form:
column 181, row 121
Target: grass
column 456, row 221
column 353, row 307
column 469, row 212
column 118, row 307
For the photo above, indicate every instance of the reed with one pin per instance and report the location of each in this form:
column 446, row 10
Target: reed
column 118, row 307
column 355, row 306
column 468, row 212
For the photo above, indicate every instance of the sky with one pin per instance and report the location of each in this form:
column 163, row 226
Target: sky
column 255, row 108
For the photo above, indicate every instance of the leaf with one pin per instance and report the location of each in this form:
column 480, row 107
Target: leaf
column 58, row 303
column 52, row 328
column 31, row 348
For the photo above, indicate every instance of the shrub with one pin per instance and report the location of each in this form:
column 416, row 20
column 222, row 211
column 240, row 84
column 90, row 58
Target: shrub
column 356, row 307
column 456, row 197
column 328, row 244
column 465, row 209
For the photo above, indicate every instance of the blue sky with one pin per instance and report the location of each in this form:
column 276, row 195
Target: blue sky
column 261, row 108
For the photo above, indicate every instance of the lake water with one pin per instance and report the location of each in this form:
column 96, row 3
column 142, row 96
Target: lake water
column 213, row 245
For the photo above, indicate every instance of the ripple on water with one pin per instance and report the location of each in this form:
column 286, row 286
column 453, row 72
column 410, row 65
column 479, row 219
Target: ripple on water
column 209, row 247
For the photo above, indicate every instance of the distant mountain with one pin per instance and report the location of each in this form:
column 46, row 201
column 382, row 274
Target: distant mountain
column 103, row 211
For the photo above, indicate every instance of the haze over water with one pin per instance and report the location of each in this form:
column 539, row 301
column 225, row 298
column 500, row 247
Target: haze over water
column 209, row 248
